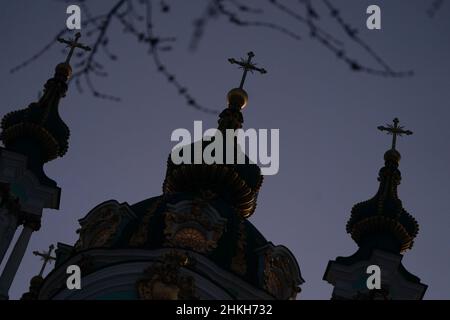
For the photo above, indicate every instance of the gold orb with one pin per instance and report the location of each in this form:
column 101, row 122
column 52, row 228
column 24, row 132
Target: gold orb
column 237, row 98
column 392, row 155
column 64, row 70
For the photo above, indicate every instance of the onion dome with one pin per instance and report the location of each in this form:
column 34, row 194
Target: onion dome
column 382, row 222
column 38, row 131
column 237, row 183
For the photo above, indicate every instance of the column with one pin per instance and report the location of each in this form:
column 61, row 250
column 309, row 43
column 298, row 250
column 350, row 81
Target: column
column 11, row 267
column 8, row 226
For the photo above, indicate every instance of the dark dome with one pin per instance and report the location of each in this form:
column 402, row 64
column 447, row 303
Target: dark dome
column 40, row 124
column 238, row 183
column 382, row 221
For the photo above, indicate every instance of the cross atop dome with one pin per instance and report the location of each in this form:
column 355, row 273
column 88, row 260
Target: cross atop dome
column 395, row 130
column 73, row 44
column 247, row 65
column 238, row 97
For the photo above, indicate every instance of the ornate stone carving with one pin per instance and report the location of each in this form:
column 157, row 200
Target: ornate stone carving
column 193, row 224
column 163, row 280
column 281, row 275
column 220, row 179
column 101, row 225
column 191, row 238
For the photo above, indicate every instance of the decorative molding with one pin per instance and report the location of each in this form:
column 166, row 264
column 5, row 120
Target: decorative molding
column 32, row 194
column 163, row 280
column 193, row 224
column 282, row 276
column 349, row 279
column 117, row 271
column 217, row 177
column 101, row 226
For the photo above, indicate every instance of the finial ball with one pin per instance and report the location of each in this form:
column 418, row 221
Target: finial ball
column 237, row 98
column 64, row 70
column 392, row 155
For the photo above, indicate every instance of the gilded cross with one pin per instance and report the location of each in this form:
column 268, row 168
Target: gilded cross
column 46, row 256
column 73, row 44
column 247, row 65
column 395, row 130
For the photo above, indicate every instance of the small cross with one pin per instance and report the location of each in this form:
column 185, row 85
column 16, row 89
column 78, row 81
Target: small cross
column 395, row 130
column 73, row 44
column 247, row 65
column 46, row 257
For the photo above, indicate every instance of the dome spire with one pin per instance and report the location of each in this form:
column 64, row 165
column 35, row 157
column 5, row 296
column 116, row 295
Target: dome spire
column 383, row 231
column 231, row 117
column 382, row 221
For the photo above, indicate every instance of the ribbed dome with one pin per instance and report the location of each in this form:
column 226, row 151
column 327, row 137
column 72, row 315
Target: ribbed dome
column 239, row 184
column 40, row 125
column 382, row 221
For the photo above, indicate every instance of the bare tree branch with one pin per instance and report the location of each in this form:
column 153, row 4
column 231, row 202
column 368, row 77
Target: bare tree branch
column 435, row 7
column 127, row 13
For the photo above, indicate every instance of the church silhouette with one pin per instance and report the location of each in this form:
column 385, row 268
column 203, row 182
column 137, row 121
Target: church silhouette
column 194, row 241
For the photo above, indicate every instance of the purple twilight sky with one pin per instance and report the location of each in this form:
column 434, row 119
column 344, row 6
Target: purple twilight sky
column 330, row 149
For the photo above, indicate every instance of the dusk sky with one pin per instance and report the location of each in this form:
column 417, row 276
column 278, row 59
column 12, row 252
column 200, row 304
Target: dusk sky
column 330, row 148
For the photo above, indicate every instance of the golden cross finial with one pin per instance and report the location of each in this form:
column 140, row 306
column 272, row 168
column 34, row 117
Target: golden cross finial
column 46, row 257
column 395, row 130
column 73, row 44
column 247, row 65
